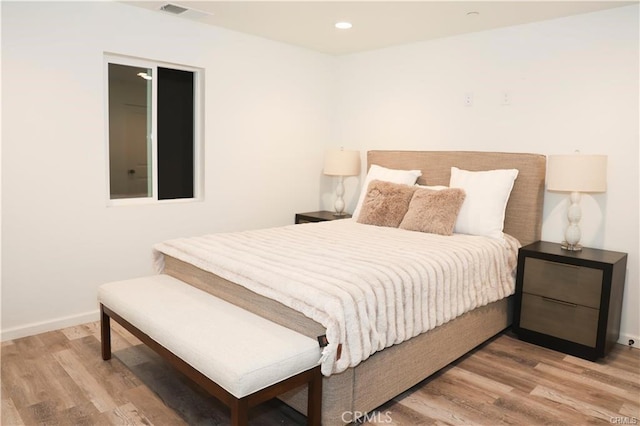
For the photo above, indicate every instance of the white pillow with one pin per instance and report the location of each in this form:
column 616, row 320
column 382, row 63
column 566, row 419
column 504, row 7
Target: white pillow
column 407, row 177
column 433, row 187
column 483, row 210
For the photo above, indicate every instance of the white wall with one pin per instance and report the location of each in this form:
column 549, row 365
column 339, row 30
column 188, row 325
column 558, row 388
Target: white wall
column 573, row 85
column 271, row 110
column 266, row 117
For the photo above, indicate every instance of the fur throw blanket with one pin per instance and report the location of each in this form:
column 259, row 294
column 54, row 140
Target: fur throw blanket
column 371, row 287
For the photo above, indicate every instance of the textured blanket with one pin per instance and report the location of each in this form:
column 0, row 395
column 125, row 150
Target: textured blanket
column 371, row 287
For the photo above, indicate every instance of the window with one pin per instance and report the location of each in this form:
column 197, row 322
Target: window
column 147, row 99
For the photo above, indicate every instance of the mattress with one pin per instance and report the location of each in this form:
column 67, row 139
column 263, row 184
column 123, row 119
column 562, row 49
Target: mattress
column 370, row 287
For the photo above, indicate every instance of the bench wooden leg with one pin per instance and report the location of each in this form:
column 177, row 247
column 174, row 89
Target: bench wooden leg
column 240, row 412
column 314, row 403
column 105, row 334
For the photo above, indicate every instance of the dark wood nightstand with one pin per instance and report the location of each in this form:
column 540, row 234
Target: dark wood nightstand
column 569, row 301
column 321, row 216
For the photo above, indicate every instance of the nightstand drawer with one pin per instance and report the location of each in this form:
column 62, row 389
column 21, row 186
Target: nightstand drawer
column 578, row 324
column 561, row 281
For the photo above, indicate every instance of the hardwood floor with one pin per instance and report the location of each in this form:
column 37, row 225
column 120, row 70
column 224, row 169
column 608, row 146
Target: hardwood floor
column 59, row 378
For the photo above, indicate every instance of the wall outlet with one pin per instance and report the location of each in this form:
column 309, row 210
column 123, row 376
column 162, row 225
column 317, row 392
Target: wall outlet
column 505, row 98
column 468, row 99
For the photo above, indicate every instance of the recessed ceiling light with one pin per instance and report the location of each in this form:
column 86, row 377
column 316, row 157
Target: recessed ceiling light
column 343, row 25
column 473, row 13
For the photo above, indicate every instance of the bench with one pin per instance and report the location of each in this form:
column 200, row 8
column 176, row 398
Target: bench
column 240, row 358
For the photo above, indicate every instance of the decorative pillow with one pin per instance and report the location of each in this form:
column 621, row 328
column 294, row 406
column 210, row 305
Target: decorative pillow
column 385, row 203
column 432, row 187
column 407, row 177
column 433, row 211
column 487, row 194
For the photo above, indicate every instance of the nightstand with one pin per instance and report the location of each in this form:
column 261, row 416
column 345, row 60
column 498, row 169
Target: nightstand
column 569, row 301
column 321, row 216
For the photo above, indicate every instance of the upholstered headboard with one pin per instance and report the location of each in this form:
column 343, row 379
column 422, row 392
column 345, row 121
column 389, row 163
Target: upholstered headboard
column 523, row 218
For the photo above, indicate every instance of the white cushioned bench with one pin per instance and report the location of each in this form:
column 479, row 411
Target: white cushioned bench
column 237, row 356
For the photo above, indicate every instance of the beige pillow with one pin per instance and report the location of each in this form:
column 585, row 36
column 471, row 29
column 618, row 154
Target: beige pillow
column 407, row 177
column 385, row 203
column 434, row 212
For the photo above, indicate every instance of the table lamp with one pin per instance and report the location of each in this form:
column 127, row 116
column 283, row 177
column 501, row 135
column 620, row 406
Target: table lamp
column 341, row 163
column 576, row 173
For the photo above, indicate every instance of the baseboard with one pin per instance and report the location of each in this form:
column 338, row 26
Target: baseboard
column 91, row 316
column 44, row 326
column 624, row 339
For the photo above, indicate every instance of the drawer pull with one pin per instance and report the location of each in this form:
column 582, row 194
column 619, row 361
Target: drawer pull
column 562, row 265
column 560, row 302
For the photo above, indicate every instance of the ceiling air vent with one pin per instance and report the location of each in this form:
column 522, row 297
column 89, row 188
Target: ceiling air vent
column 172, row 8
column 183, row 12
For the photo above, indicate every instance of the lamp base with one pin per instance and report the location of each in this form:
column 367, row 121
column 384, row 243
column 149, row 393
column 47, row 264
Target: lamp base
column 570, row 247
column 340, row 214
column 339, row 204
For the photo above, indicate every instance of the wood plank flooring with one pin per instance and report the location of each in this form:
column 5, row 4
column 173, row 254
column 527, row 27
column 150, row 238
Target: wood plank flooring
column 59, row 378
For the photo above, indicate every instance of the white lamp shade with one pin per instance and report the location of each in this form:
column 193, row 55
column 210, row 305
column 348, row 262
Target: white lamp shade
column 341, row 163
column 577, row 173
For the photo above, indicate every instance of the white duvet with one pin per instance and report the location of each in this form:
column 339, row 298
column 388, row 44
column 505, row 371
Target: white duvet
column 371, row 287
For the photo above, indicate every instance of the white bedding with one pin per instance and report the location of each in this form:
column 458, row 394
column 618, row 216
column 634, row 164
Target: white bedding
column 371, row 287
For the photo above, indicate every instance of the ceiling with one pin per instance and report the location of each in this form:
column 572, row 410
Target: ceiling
column 376, row 24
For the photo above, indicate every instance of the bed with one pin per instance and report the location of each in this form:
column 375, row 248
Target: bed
column 370, row 383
